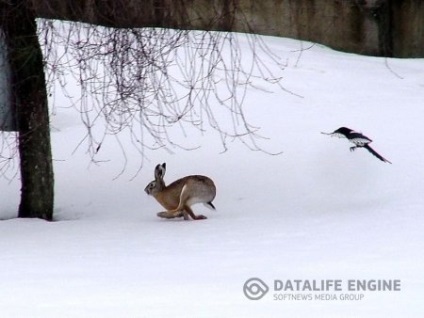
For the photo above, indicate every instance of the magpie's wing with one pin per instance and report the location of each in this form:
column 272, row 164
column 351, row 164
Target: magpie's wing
column 358, row 138
column 375, row 153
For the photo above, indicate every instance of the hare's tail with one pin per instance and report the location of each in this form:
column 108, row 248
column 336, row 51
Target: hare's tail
column 210, row 205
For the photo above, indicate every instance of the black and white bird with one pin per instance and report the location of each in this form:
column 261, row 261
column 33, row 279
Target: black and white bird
column 358, row 139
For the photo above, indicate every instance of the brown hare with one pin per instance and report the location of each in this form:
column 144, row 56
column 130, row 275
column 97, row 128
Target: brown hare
column 180, row 195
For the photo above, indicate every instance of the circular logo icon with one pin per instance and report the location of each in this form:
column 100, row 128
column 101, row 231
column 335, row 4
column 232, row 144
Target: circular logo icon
column 255, row 288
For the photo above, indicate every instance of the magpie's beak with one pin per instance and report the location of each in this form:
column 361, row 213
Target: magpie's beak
column 328, row 134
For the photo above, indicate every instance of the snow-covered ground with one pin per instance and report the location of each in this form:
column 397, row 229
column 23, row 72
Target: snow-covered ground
column 315, row 212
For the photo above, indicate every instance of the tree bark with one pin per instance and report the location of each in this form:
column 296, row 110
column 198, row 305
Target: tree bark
column 31, row 108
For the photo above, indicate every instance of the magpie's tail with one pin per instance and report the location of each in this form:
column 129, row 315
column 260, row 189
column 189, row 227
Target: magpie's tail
column 375, row 153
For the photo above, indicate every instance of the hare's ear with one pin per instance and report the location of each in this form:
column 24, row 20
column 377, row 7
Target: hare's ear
column 160, row 171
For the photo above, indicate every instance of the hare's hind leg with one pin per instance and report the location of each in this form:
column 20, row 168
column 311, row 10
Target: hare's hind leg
column 182, row 208
column 185, row 211
column 188, row 211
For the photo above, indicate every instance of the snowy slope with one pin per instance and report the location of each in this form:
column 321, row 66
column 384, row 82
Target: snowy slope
column 317, row 211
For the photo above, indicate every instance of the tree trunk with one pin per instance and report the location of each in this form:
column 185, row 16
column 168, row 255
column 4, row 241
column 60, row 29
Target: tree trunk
column 31, row 108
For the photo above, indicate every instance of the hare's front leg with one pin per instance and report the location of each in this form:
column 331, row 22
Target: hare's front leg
column 169, row 214
column 186, row 212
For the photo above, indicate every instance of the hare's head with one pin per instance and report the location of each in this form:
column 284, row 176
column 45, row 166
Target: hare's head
column 158, row 184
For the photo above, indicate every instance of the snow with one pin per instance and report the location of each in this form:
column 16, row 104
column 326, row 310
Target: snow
column 315, row 212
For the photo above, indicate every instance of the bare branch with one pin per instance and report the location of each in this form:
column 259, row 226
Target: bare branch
column 149, row 81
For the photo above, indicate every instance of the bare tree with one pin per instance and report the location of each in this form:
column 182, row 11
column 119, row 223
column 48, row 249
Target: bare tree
column 29, row 98
column 143, row 80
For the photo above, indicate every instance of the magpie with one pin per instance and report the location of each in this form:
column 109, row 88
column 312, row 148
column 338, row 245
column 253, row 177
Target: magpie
column 358, row 139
